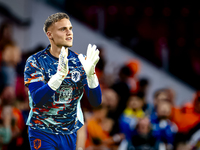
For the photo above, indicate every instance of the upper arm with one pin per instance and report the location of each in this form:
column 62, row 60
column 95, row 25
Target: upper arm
column 32, row 72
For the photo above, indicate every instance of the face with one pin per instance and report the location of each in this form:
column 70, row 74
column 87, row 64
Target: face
column 144, row 125
column 135, row 102
column 164, row 109
column 100, row 114
column 11, row 55
column 60, row 33
column 161, row 97
column 110, row 99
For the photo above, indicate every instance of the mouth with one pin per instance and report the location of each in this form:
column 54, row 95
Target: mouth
column 69, row 38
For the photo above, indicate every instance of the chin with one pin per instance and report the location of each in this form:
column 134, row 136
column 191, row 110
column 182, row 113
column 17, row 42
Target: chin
column 67, row 45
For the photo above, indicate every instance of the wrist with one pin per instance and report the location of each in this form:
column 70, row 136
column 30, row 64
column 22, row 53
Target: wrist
column 92, row 81
column 55, row 81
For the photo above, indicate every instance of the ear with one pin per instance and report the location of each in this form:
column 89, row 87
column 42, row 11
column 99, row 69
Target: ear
column 49, row 35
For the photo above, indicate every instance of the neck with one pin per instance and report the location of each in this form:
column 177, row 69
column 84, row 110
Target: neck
column 55, row 50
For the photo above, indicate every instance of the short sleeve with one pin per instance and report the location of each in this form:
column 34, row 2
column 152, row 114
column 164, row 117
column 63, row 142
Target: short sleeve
column 32, row 71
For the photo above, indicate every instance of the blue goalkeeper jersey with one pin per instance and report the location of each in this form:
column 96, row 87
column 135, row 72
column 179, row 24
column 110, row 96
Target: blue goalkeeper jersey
column 62, row 113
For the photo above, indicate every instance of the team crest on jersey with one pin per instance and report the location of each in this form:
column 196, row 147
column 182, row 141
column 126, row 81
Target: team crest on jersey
column 37, row 143
column 75, row 76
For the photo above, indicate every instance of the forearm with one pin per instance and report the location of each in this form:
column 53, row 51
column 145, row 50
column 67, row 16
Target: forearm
column 93, row 95
column 40, row 92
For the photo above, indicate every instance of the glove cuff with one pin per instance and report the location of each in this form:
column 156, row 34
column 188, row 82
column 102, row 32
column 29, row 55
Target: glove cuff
column 55, row 81
column 93, row 81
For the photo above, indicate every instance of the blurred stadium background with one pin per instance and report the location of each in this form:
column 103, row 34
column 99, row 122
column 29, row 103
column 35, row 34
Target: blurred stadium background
column 162, row 35
column 158, row 40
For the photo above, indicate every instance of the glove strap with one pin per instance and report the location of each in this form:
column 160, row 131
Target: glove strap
column 55, row 81
column 92, row 81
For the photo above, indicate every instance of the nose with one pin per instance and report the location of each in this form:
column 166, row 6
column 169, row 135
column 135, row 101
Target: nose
column 69, row 32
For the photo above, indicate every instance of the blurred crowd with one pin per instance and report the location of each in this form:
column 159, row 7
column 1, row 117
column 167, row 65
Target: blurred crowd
column 14, row 107
column 126, row 120
column 166, row 33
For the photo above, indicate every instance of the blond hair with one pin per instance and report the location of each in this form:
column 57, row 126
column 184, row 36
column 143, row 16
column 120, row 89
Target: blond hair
column 54, row 18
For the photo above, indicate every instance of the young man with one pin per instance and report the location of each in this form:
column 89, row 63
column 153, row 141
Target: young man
column 56, row 78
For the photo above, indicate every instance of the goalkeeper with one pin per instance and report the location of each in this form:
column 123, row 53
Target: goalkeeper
column 56, row 78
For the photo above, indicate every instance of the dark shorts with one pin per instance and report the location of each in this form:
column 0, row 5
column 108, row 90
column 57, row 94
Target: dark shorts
column 40, row 140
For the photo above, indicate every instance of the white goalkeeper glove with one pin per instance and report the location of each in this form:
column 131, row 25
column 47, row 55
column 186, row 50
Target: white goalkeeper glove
column 62, row 71
column 89, row 64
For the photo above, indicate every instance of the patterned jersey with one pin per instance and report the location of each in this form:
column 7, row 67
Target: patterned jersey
column 62, row 112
